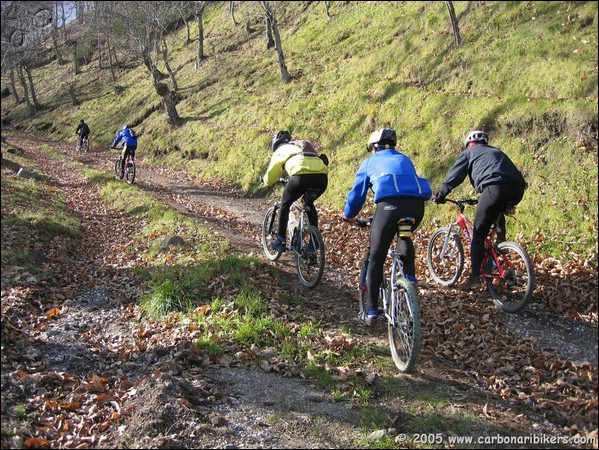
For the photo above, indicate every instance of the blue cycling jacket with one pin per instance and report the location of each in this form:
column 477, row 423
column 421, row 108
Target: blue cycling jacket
column 125, row 134
column 388, row 173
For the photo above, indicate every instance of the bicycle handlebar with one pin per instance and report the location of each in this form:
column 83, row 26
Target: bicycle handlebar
column 462, row 202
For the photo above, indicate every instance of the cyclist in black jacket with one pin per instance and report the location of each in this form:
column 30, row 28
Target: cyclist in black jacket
column 83, row 131
column 499, row 183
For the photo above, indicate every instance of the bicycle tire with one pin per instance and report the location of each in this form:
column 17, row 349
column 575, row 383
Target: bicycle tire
column 514, row 291
column 310, row 261
column 117, row 167
column 446, row 271
column 269, row 225
column 85, row 146
column 404, row 330
column 130, row 171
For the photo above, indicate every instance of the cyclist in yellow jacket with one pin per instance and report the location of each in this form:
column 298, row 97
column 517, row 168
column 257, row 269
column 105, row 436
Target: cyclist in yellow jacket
column 306, row 169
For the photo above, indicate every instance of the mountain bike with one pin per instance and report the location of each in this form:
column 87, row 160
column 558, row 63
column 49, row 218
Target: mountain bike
column 129, row 173
column 506, row 267
column 82, row 145
column 401, row 308
column 303, row 239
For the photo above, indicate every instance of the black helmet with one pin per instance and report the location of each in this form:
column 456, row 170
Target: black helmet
column 381, row 138
column 82, row 121
column 282, row 137
column 476, row 136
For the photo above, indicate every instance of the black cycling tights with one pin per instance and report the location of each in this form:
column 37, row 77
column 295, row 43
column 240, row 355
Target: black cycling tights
column 127, row 150
column 382, row 232
column 490, row 208
column 294, row 189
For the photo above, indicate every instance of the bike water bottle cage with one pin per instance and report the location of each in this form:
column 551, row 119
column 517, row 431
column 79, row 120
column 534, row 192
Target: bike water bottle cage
column 404, row 226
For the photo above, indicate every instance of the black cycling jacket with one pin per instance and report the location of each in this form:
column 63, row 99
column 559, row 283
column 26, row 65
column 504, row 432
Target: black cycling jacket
column 484, row 165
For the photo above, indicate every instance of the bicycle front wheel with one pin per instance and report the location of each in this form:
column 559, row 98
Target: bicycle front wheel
column 445, row 257
column 130, row 172
column 117, row 167
column 512, row 291
column 309, row 260
column 404, row 324
column 269, row 232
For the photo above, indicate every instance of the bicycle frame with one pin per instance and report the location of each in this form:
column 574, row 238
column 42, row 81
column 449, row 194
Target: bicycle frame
column 467, row 227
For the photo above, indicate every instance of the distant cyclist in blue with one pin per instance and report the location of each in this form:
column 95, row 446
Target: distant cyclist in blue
column 398, row 192
column 129, row 146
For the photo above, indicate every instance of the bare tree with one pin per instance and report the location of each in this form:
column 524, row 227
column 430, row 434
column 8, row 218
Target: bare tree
column 454, row 24
column 198, row 8
column 144, row 25
column 326, row 10
column 13, row 86
column 270, row 11
column 26, row 28
column 55, row 36
column 270, row 42
column 232, row 12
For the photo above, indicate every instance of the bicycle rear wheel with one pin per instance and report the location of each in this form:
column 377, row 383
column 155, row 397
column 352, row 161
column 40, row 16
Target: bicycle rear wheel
column 130, row 171
column 512, row 292
column 310, row 259
column 404, row 326
column 445, row 269
column 85, row 145
column 269, row 232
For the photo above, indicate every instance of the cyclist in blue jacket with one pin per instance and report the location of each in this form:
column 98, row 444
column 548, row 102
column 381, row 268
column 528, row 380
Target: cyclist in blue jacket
column 500, row 184
column 398, row 192
column 129, row 138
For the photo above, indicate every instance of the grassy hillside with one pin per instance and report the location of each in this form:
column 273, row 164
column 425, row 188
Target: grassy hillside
column 527, row 73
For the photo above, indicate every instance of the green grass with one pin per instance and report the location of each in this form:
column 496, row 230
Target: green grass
column 527, row 72
column 32, row 211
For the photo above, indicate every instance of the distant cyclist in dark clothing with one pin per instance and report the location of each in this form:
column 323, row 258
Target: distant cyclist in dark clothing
column 83, row 131
column 500, row 185
column 129, row 138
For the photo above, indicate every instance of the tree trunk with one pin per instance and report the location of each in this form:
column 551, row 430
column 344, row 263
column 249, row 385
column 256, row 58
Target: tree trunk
column 72, row 95
column 76, row 60
column 284, row 73
column 56, row 49
column 232, row 12
column 326, row 10
column 164, row 49
column 110, row 62
column 200, row 55
column 454, row 24
column 32, row 89
column 270, row 42
column 25, row 90
column 168, row 98
column 14, row 86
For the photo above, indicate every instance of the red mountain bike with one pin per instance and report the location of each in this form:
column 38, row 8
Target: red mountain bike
column 506, row 267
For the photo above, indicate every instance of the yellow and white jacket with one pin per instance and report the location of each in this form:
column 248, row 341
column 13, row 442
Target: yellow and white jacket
column 291, row 158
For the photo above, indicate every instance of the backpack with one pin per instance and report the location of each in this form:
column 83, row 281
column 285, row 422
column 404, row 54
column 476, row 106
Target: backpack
column 309, row 150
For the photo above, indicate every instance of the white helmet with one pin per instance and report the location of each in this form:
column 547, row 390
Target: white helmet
column 382, row 137
column 476, row 136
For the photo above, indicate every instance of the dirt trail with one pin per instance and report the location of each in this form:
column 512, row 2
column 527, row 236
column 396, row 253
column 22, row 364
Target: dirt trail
column 234, row 407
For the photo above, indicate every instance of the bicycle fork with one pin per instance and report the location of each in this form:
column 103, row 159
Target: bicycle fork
column 448, row 237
